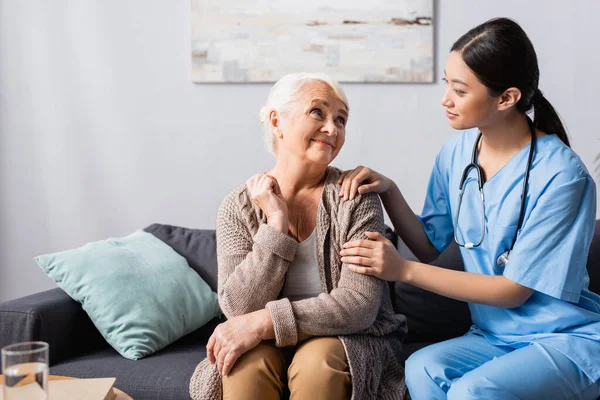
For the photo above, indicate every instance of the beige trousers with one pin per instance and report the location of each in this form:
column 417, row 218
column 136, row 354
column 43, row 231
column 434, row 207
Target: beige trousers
column 317, row 369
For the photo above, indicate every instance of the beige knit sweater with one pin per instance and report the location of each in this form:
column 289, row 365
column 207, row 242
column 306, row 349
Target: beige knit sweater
column 253, row 259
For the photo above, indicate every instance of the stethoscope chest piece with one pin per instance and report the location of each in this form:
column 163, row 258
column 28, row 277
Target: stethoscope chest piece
column 502, row 259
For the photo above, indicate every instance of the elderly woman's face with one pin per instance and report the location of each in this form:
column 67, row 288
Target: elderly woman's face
column 315, row 127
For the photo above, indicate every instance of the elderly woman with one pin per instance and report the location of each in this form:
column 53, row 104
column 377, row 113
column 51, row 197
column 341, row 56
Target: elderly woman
column 297, row 316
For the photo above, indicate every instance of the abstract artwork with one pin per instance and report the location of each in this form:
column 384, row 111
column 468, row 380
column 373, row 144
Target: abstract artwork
column 262, row 40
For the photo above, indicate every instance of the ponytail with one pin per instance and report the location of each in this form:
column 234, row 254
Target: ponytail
column 546, row 118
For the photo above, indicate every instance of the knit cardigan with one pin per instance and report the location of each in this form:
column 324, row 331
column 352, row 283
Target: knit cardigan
column 253, row 259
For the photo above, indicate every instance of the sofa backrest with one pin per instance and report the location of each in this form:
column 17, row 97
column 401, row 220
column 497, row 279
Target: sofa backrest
column 431, row 317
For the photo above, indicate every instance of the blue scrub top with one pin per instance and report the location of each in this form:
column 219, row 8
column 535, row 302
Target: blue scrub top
column 550, row 253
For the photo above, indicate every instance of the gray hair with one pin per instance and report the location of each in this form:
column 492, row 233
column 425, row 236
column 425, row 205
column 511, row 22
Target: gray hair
column 285, row 92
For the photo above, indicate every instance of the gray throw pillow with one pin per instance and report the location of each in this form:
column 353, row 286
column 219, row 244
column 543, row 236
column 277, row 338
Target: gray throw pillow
column 197, row 246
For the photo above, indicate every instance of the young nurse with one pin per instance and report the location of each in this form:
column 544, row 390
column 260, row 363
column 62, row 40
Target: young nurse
column 522, row 207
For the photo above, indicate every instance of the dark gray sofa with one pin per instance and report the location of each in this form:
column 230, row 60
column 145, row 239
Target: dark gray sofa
column 77, row 349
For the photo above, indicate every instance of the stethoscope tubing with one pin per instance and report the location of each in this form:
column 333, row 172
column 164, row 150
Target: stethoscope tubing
column 503, row 258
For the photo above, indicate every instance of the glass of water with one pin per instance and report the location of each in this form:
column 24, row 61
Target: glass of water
column 25, row 369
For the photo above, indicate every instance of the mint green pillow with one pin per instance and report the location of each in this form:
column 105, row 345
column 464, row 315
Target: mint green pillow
column 138, row 292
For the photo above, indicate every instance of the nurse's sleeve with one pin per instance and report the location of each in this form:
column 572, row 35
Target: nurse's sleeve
column 550, row 253
column 436, row 217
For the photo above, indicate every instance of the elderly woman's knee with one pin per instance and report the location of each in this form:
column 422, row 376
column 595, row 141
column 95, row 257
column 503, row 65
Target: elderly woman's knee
column 256, row 374
column 319, row 362
column 265, row 358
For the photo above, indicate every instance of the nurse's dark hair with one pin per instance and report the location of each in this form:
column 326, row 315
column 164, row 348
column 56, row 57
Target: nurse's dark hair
column 502, row 56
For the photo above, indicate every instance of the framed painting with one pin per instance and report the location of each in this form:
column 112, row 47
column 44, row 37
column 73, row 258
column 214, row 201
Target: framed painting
column 260, row 40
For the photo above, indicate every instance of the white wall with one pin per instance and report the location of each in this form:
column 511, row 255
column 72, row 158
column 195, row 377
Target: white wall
column 102, row 132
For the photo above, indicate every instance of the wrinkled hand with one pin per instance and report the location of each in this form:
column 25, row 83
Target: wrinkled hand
column 236, row 336
column 265, row 192
column 362, row 180
column 377, row 257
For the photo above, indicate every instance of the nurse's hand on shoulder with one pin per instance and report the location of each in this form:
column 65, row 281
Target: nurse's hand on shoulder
column 362, row 180
column 377, row 256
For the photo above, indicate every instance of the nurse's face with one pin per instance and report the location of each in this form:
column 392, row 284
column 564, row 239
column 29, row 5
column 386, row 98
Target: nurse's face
column 467, row 101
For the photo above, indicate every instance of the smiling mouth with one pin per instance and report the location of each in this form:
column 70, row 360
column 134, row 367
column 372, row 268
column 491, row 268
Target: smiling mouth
column 451, row 113
column 323, row 143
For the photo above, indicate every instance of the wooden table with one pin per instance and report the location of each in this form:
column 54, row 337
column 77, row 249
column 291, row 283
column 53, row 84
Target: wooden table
column 120, row 394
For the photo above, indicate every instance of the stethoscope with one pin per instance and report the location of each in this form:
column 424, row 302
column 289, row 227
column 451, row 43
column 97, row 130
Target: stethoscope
column 502, row 258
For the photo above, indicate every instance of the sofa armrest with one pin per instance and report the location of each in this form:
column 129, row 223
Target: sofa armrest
column 53, row 317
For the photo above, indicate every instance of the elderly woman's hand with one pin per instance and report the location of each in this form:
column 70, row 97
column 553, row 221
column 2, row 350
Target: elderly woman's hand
column 236, row 336
column 362, row 180
column 265, row 192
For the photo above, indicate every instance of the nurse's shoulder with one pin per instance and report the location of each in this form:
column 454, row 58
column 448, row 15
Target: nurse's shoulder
column 558, row 161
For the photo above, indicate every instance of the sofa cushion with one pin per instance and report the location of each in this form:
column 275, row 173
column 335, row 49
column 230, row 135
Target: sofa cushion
column 197, row 246
column 164, row 375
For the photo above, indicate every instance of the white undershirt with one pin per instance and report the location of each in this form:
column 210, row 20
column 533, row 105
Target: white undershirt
column 302, row 279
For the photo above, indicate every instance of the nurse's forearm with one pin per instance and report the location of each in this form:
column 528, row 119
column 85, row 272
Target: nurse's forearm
column 408, row 225
column 495, row 291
